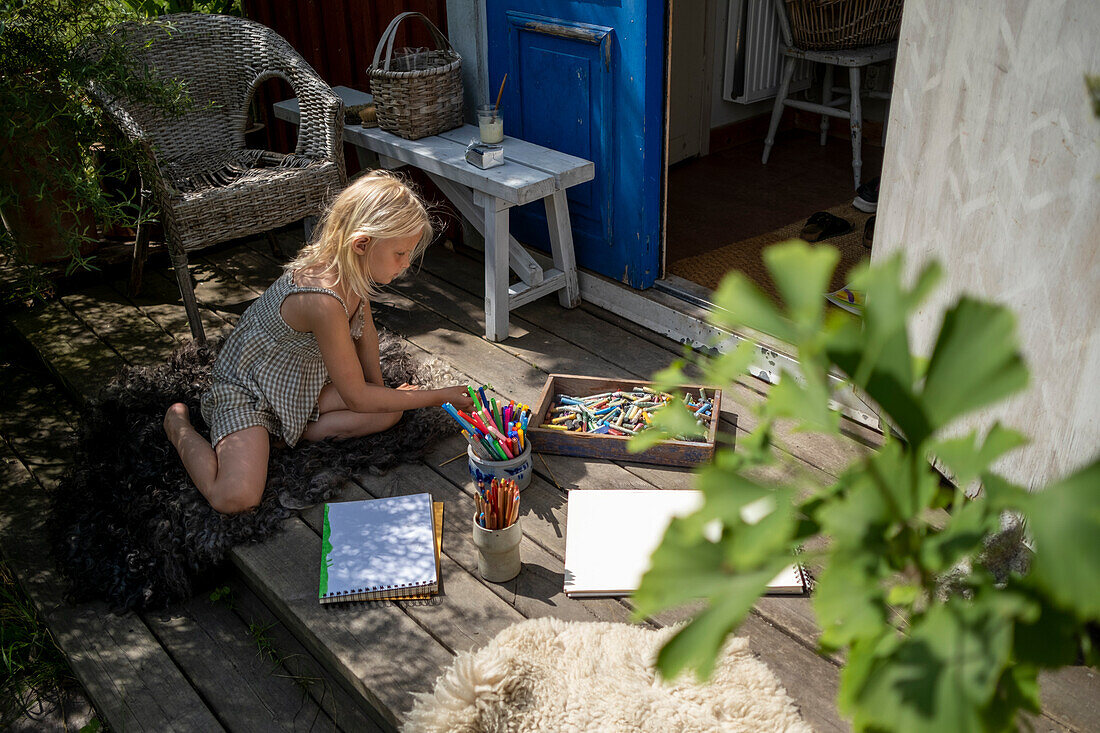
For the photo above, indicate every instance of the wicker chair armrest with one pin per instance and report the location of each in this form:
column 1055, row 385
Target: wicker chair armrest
column 321, row 129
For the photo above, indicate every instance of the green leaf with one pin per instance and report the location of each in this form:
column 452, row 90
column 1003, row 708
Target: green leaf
column 888, row 381
column 738, row 302
column 848, row 600
column 942, row 674
column 646, row 439
column 1017, row 689
column 731, row 366
column 806, row 401
column 669, row 377
column 1002, row 495
column 857, row 518
column 684, row 567
column 726, row 492
column 908, row 486
column 968, row 460
column 696, row 646
column 755, row 539
column 1064, row 521
column 863, row 656
column 961, row 537
column 677, row 420
column 975, row 362
column 1048, row 637
column 801, row 274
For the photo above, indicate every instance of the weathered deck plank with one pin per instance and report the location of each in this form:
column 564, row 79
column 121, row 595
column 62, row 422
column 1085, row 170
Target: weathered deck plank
column 134, row 684
column 250, row 690
column 345, row 707
column 380, row 653
column 118, row 665
column 68, row 348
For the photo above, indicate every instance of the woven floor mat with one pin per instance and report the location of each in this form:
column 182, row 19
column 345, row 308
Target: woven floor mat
column 746, row 256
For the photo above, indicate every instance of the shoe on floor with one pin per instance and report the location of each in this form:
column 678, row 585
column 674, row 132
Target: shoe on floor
column 823, row 225
column 869, row 232
column 866, row 199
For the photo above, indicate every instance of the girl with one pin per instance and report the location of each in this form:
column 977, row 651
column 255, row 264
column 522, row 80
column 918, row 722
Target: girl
column 272, row 377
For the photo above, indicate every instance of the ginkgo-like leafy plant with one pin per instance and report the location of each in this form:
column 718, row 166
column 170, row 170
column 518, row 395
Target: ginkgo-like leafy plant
column 920, row 653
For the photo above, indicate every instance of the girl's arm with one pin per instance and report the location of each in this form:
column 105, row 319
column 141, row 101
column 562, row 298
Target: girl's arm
column 325, row 317
column 367, row 349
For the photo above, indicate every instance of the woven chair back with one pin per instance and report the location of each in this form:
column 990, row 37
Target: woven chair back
column 828, row 25
column 416, row 94
column 219, row 60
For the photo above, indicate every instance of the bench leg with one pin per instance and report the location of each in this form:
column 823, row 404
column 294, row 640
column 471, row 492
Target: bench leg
column 561, row 244
column 496, row 267
column 462, row 197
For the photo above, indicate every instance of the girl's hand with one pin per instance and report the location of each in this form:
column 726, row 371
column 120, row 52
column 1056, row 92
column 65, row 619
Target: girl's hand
column 457, row 396
column 406, row 387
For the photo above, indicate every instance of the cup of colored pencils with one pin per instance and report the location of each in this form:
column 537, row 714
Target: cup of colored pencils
column 496, row 437
column 496, row 530
column 497, row 503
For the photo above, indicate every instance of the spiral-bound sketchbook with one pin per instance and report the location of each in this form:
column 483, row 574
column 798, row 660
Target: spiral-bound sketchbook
column 611, row 533
column 379, row 549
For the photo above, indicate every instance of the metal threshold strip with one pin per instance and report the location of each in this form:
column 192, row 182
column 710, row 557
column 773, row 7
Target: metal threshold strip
column 678, row 308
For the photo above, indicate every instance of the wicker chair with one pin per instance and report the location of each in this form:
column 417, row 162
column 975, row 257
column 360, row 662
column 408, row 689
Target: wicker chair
column 867, row 37
column 208, row 186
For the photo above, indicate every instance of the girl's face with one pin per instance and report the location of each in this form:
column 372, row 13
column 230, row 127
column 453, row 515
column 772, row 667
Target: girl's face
column 388, row 258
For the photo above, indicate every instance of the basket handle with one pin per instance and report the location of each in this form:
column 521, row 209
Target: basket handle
column 390, row 34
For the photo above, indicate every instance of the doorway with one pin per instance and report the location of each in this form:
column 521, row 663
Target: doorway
column 723, row 206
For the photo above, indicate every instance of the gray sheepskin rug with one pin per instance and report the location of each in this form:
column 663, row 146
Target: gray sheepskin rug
column 129, row 527
column 552, row 675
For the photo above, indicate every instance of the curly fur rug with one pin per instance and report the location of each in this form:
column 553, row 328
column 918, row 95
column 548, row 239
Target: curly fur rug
column 129, row 527
column 549, row 674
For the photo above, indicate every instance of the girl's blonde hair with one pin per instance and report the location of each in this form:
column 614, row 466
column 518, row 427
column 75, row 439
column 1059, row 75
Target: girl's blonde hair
column 380, row 205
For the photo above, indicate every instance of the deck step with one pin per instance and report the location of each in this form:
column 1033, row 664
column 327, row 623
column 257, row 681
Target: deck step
column 341, row 655
column 202, row 665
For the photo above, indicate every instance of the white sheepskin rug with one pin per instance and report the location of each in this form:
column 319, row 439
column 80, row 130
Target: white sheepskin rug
column 552, row 675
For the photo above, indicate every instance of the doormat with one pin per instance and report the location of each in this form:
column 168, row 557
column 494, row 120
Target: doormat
column 552, row 675
column 746, row 256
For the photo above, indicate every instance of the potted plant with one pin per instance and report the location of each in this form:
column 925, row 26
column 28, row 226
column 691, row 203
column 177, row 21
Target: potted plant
column 52, row 195
column 944, row 612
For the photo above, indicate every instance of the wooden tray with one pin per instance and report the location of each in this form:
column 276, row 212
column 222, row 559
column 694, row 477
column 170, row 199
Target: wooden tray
column 614, row 447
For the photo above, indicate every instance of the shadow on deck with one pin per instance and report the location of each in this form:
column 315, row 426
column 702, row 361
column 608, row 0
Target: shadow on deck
column 267, row 655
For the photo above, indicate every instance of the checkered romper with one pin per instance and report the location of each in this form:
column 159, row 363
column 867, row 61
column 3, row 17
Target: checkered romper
column 267, row 373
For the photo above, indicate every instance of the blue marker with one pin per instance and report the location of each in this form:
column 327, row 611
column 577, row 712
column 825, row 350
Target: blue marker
column 458, row 418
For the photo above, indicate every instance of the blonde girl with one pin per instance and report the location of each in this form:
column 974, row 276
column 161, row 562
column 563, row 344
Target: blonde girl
column 303, row 360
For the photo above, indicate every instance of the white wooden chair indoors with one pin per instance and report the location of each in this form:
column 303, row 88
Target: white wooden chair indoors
column 853, row 59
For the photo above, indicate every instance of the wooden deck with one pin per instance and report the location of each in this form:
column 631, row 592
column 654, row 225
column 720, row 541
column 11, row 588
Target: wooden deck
column 268, row 656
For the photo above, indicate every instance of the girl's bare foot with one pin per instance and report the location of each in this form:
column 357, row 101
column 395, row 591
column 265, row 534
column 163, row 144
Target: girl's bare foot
column 177, row 420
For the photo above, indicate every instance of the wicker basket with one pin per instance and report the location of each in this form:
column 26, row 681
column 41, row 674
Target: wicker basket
column 821, row 25
column 421, row 94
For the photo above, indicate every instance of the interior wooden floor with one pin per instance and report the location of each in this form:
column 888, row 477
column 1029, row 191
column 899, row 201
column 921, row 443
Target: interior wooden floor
column 198, row 666
column 729, row 196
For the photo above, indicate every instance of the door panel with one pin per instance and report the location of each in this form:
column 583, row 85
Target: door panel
column 580, row 80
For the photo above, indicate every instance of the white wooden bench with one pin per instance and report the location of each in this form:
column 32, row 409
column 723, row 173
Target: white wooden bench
column 530, row 173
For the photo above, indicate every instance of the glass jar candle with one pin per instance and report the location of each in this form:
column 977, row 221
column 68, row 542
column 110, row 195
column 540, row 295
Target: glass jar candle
column 490, row 123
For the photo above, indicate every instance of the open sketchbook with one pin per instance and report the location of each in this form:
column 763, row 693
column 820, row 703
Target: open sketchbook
column 610, row 534
column 380, row 549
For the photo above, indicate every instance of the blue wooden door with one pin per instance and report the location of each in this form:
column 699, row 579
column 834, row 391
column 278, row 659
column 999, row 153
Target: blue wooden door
column 586, row 77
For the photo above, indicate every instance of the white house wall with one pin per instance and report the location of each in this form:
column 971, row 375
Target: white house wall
column 993, row 168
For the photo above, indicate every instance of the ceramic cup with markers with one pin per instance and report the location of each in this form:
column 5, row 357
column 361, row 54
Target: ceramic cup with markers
column 490, row 123
column 498, row 558
column 496, row 530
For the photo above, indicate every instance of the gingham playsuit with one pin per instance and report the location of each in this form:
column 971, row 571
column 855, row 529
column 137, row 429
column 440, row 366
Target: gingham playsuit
column 267, row 373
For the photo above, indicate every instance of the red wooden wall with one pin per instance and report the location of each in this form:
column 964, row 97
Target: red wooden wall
column 338, row 39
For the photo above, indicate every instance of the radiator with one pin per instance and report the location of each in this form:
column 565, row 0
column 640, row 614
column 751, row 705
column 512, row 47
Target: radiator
column 754, row 65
